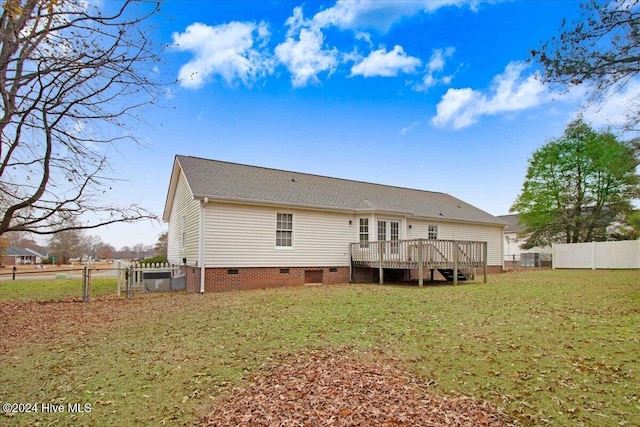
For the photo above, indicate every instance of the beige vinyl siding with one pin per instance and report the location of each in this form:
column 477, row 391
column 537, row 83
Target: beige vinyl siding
column 459, row 231
column 245, row 236
column 184, row 205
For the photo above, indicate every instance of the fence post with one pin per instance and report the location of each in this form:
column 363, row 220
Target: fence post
column 380, row 258
column 130, row 283
column 485, row 253
column 85, row 294
column 89, row 286
column 420, row 264
column 455, row 262
column 350, row 263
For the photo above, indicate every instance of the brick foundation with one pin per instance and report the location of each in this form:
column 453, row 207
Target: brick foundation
column 245, row 278
column 193, row 278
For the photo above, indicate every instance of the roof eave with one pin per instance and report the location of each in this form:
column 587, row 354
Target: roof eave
column 171, row 191
column 254, row 202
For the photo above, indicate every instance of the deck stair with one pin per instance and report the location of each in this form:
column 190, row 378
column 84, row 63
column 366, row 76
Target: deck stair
column 447, row 273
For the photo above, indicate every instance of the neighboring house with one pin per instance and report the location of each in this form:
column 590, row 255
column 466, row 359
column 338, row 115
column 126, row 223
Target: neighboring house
column 14, row 255
column 240, row 227
column 513, row 246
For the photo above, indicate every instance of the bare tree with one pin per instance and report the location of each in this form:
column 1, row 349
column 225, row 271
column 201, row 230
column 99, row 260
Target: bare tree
column 65, row 245
column 105, row 251
column 71, row 77
column 160, row 248
column 600, row 50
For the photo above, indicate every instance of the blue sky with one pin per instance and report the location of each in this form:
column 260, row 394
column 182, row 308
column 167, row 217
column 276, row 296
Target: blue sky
column 434, row 95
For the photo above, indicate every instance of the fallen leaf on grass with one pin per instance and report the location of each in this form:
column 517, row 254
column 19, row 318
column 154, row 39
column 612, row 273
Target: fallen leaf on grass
column 329, row 388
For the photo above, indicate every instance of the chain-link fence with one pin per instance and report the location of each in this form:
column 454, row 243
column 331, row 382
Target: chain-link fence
column 83, row 283
column 75, row 283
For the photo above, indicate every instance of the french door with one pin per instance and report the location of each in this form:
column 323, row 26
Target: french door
column 389, row 230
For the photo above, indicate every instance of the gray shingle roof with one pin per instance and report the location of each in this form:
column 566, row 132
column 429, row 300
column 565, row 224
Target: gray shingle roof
column 16, row 251
column 236, row 182
column 513, row 222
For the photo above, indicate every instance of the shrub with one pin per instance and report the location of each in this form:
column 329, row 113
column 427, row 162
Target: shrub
column 158, row 259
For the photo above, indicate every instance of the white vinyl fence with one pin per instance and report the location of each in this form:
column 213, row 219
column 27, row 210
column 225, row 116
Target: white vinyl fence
column 597, row 255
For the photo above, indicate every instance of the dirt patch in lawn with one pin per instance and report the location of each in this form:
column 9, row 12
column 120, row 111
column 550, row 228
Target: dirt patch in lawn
column 337, row 389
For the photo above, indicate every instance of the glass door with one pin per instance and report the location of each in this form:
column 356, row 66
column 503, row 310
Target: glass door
column 389, row 230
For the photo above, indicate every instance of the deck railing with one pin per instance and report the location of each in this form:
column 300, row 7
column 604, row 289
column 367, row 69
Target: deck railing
column 420, row 254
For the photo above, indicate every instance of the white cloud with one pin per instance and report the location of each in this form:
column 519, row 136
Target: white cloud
column 407, row 129
column 616, row 107
column 364, row 36
column 435, row 66
column 386, row 64
column 509, row 92
column 457, row 108
column 378, row 14
column 295, row 22
column 306, row 57
column 437, row 61
column 227, row 50
column 303, row 52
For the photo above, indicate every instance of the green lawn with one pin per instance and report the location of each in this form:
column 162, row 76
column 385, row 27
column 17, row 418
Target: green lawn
column 54, row 288
column 549, row 347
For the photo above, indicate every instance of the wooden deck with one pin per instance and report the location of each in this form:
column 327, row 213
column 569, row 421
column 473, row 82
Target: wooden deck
column 420, row 254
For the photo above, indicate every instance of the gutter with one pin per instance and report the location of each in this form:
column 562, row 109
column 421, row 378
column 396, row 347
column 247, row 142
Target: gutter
column 201, row 243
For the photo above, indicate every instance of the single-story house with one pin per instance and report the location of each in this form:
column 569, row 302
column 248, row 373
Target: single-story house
column 236, row 226
column 513, row 251
column 14, row 255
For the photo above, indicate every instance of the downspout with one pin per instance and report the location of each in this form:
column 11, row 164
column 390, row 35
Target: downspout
column 201, row 244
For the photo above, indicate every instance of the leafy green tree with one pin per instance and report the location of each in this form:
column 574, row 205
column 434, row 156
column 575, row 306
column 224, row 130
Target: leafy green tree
column 576, row 187
column 629, row 229
column 601, row 50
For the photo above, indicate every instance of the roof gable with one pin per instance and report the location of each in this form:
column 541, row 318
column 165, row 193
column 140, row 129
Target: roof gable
column 233, row 182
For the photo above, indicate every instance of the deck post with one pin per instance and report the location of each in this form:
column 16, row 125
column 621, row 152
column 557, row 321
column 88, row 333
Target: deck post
column 455, row 262
column 420, row 266
column 350, row 263
column 380, row 258
column 484, row 259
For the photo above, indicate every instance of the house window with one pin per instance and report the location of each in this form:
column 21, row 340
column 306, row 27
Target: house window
column 433, row 232
column 382, row 231
column 284, row 230
column 364, row 232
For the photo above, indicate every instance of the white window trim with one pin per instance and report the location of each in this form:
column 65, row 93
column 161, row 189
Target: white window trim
column 437, row 231
column 285, row 248
column 401, row 226
column 364, row 244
